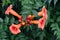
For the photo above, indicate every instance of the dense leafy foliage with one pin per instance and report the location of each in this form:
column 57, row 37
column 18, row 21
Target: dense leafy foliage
column 32, row 32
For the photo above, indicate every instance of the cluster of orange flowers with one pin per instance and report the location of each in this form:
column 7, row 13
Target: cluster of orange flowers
column 29, row 20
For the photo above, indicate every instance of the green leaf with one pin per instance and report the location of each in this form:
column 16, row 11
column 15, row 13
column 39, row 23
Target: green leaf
column 24, row 17
column 54, row 26
column 5, row 26
column 12, row 19
column 25, row 12
column 45, row 1
column 29, row 7
column 27, row 28
column 6, row 20
column 8, row 1
column 21, row 36
column 12, row 37
column 58, row 19
column 5, row 2
column 35, row 13
column 1, row 26
column 38, row 4
column 3, row 35
column 58, row 35
column 56, row 29
column 49, row 1
column 55, row 32
column 55, row 1
column 51, row 20
column 24, row 2
column 31, row 1
column 1, row 20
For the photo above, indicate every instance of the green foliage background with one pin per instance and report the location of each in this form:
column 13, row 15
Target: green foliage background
column 32, row 32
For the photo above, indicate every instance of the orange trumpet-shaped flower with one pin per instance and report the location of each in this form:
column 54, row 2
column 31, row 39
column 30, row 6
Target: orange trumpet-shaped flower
column 11, row 11
column 40, row 22
column 43, row 12
column 15, row 28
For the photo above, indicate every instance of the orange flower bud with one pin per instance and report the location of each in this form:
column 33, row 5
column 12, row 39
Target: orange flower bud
column 23, row 23
column 40, row 14
column 29, row 18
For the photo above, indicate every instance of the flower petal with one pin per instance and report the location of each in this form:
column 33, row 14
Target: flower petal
column 41, row 23
column 8, row 9
column 44, row 11
column 14, row 30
